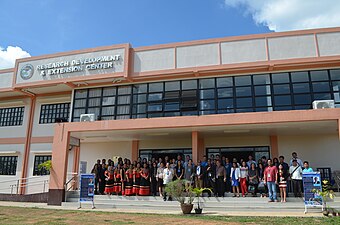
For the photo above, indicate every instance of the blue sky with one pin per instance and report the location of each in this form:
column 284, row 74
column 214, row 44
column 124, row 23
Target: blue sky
column 38, row 27
column 48, row 26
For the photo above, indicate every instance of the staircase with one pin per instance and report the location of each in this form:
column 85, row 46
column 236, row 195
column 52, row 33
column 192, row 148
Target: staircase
column 210, row 204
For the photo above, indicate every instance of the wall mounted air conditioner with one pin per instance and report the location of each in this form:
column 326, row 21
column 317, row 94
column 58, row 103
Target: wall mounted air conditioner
column 323, row 104
column 87, row 118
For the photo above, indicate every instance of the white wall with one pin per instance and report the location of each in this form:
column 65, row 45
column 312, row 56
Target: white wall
column 243, row 51
column 19, row 149
column 165, row 143
column 301, row 46
column 44, row 130
column 6, row 80
column 197, row 55
column 160, row 59
column 90, row 152
column 242, row 141
column 329, row 44
column 319, row 150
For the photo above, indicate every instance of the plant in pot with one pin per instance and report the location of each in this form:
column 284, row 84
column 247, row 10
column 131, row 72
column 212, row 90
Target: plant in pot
column 178, row 191
column 198, row 193
column 324, row 195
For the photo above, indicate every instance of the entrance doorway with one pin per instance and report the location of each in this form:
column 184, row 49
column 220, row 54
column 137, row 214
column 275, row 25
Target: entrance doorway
column 161, row 153
column 240, row 152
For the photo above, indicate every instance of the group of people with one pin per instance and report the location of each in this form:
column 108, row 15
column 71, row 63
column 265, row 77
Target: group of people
column 220, row 174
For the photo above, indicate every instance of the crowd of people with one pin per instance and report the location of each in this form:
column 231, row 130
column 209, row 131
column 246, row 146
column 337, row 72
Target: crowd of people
column 220, row 174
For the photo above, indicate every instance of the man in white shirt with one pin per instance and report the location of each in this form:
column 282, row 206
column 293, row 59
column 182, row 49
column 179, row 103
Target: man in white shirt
column 168, row 174
column 295, row 172
column 250, row 161
column 298, row 160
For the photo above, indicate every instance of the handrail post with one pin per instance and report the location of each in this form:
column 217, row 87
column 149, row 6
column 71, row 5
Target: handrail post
column 17, row 186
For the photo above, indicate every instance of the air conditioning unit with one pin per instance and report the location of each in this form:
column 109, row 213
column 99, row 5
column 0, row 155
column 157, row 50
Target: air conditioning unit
column 87, row 117
column 323, row 104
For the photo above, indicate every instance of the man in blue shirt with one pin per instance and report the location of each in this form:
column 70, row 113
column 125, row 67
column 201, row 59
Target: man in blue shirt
column 306, row 169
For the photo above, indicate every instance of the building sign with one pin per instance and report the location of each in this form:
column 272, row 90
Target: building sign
column 52, row 68
column 86, row 188
column 311, row 182
column 102, row 62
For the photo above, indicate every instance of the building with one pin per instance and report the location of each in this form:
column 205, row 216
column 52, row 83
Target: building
column 234, row 96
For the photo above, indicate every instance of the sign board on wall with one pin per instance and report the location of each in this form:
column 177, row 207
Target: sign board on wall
column 68, row 66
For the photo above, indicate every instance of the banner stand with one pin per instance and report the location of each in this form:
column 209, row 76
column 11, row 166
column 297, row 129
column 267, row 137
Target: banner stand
column 86, row 189
column 311, row 183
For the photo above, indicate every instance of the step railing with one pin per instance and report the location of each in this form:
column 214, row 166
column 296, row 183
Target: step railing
column 13, row 186
column 71, row 184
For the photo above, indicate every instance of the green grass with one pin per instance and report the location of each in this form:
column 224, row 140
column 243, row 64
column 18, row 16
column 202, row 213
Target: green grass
column 19, row 215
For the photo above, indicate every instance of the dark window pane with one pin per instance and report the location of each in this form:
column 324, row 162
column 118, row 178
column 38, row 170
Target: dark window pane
column 264, row 109
column 262, row 90
column 172, row 86
column 209, row 93
column 124, row 90
column 207, row 83
column 261, row 79
column 173, row 106
column 282, row 108
column 281, row 89
column 319, row 75
column 244, row 102
column 189, row 94
column 170, row 114
column 109, row 91
column 244, row 110
column 225, row 92
column 299, row 76
column 321, row 87
column 140, row 88
column 207, row 112
column 282, row 100
column 299, row 107
column 243, row 91
column 302, row 99
column 80, row 93
column 301, row 88
column 263, row 101
column 155, row 97
column 108, row 111
column 224, row 82
column 336, row 85
column 141, row 98
column 156, row 87
column 227, row 103
column 336, row 97
column 95, row 92
column 109, row 100
column 335, row 74
column 242, row 80
column 155, row 107
column 322, row 96
column 280, row 78
column 207, row 104
column 171, row 96
column 189, row 84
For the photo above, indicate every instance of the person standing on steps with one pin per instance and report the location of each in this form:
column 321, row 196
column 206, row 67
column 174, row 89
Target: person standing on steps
column 270, row 179
column 168, row 175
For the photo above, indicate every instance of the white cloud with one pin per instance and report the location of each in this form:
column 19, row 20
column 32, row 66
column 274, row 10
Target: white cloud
column 9, row 55
column 285, row 15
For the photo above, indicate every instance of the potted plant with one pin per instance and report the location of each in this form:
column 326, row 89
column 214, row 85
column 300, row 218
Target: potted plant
column 198, row 193
column 324, row 195
column 177, row 190
column 47, row 165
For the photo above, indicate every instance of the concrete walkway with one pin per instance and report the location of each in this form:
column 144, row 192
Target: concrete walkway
column 174, row 210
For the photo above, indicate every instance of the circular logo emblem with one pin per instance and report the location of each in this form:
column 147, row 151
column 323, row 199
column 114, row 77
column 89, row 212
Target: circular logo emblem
column 26, row 71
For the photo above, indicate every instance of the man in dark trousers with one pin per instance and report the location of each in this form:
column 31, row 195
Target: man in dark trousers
column 221, row 177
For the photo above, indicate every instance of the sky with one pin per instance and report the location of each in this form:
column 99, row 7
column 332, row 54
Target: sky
column 39, row 27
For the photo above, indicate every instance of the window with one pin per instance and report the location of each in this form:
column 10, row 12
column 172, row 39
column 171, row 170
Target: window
column 11, row 116
column 52, row 113
column 38, row 159
column 8, row 165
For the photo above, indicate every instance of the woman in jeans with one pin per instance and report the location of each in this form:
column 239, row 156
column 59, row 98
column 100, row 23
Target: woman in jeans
column 253, row 178
column 235, row 179
column 243, row 178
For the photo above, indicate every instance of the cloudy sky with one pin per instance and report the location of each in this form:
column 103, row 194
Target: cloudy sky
column 38, row 27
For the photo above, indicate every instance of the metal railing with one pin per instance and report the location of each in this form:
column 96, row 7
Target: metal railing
column 71, row 184
column 336, row 176
column 15, row 184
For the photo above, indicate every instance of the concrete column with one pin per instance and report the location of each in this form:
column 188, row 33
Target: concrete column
column 134, row 150
column 58, row 174
column 75, row 169
column 197, row 146
column 274, row 146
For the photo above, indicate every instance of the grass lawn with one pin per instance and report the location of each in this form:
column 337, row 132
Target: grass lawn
column 19, row 215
